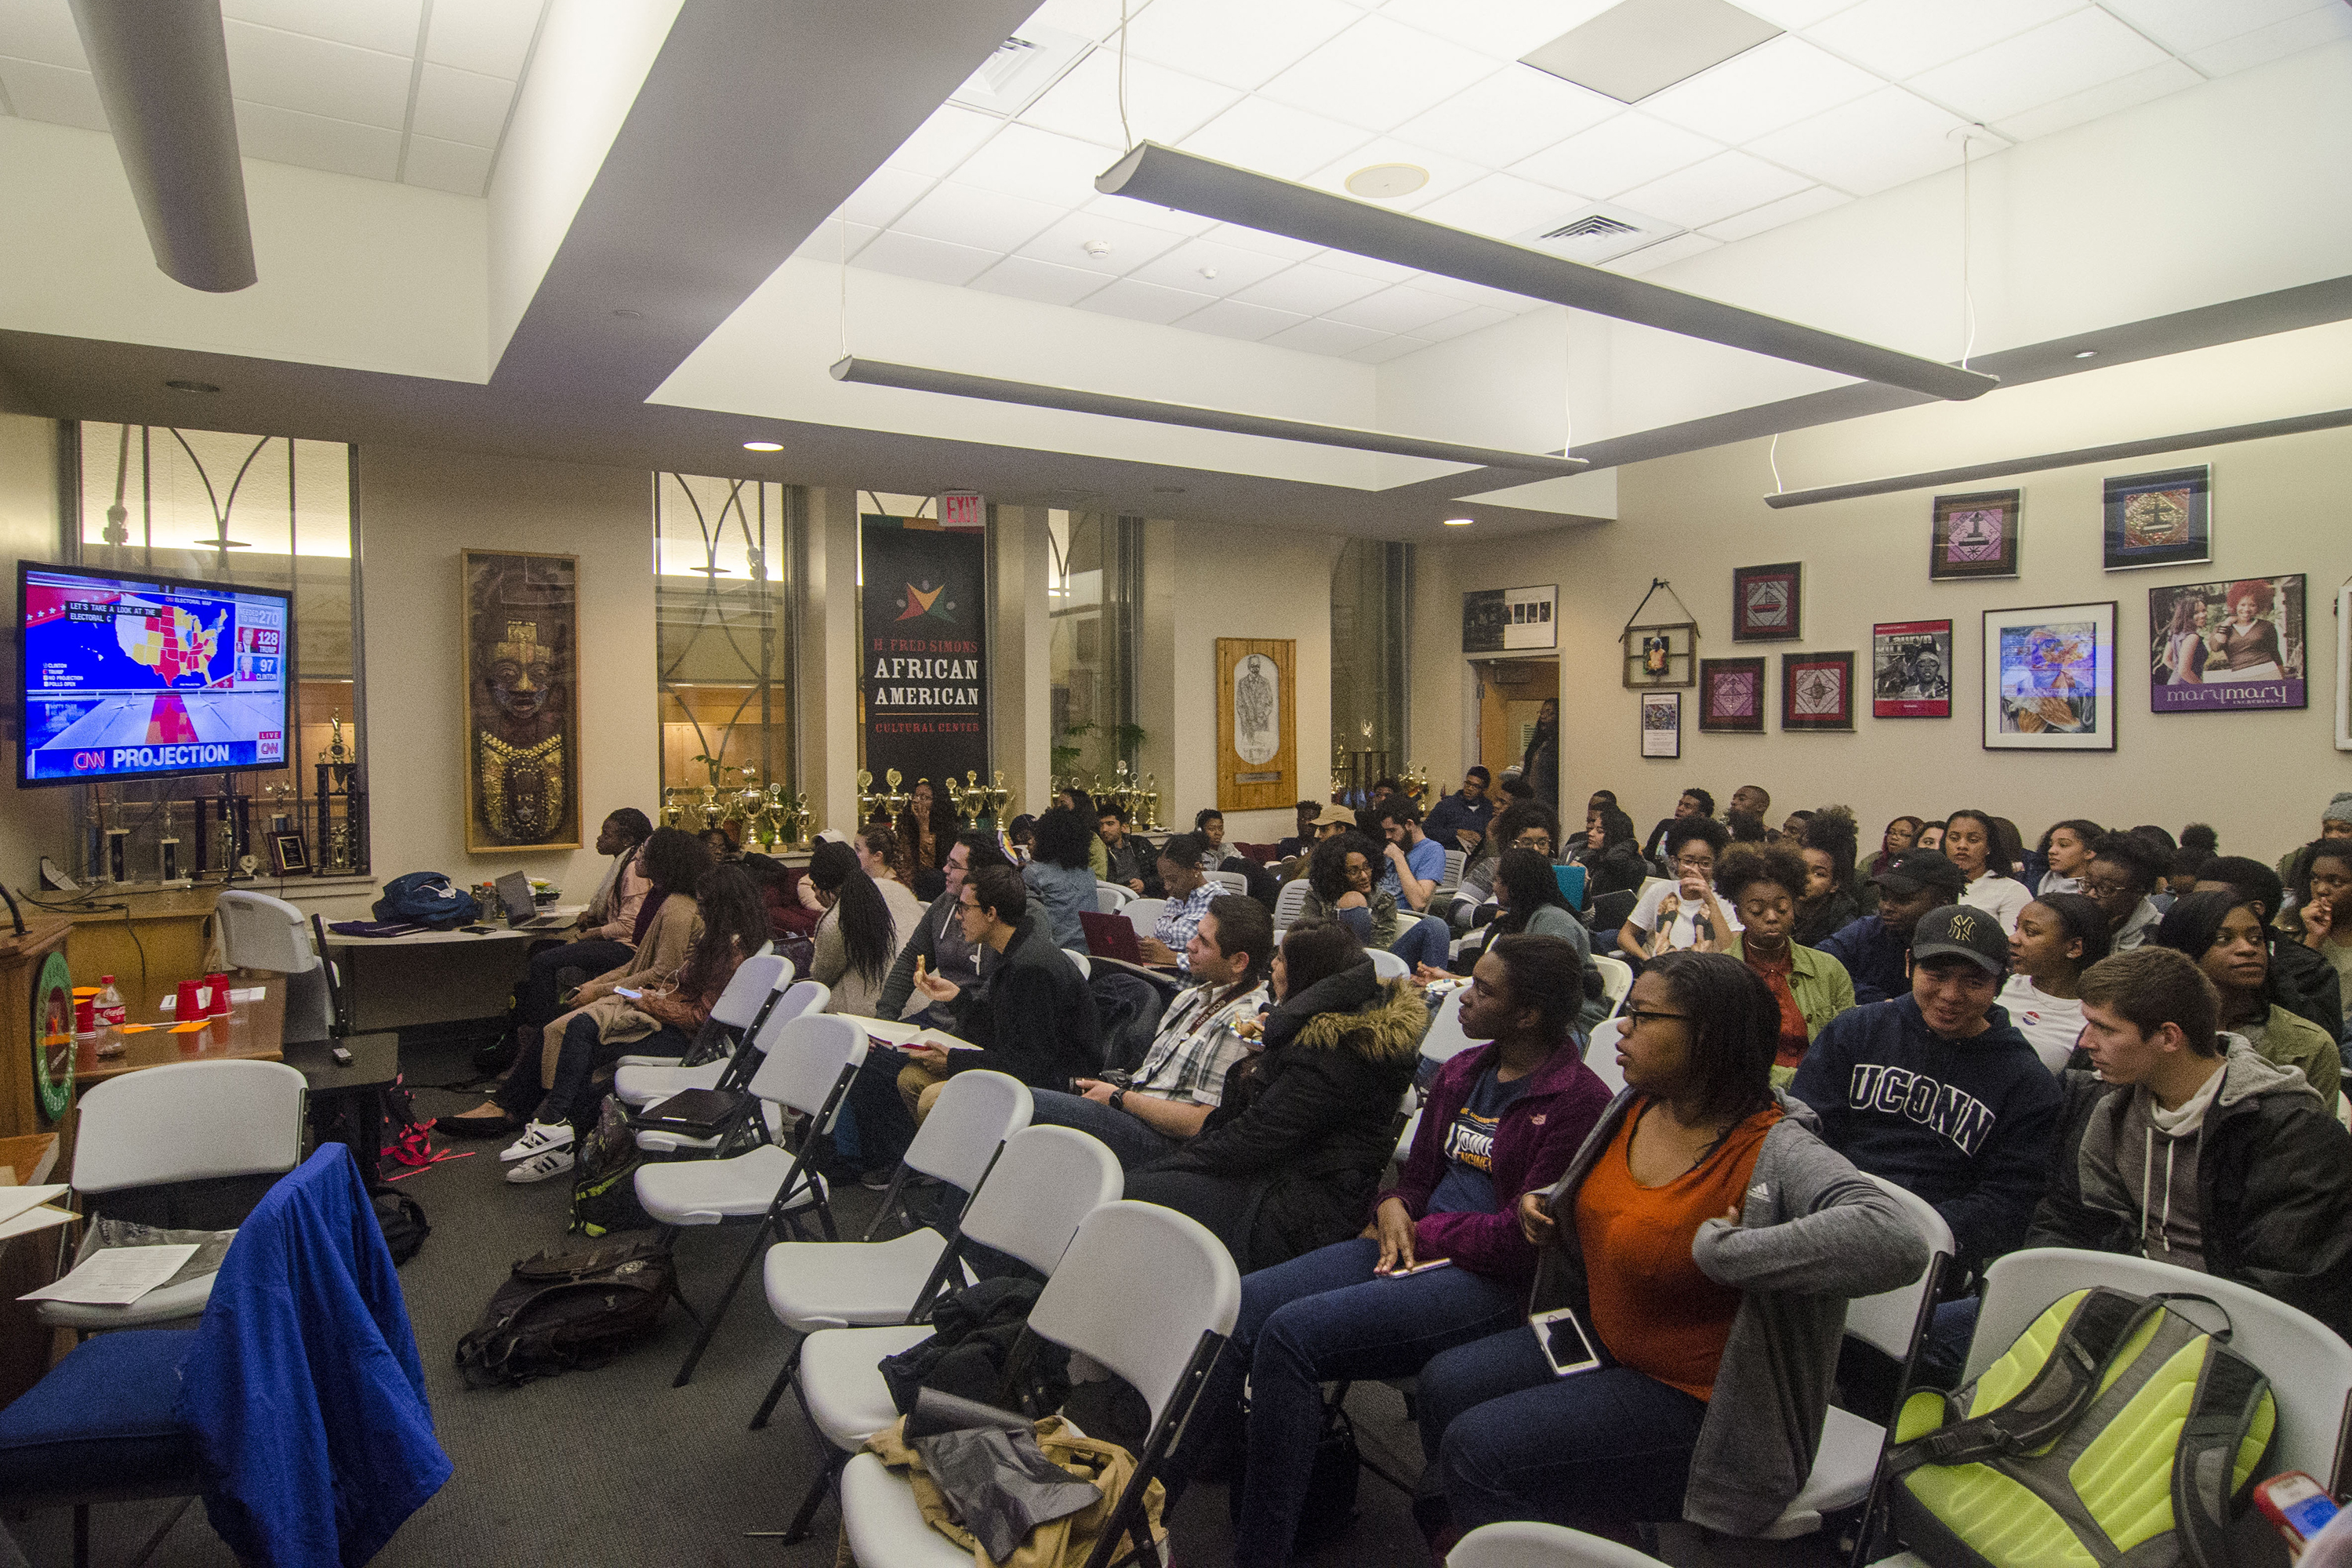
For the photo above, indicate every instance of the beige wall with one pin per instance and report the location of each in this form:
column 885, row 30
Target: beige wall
column 2260, row 777
column 33, row 822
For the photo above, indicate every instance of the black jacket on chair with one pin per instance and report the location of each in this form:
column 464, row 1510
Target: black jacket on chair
column 1031, row 1013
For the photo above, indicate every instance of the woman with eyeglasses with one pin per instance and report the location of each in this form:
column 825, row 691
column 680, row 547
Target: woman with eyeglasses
column 1684, row 912
column 1708, row 1244
column 1523, row 825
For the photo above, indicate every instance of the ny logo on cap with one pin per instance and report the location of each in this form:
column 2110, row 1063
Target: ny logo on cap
column 1964, row 927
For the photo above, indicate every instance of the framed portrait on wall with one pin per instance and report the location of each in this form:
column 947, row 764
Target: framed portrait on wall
column 2050, row 678
column 1767, row 602
column 1257, row 759
column 1731, row 697
column 1659, row 655
column 522, row 701
column 1911, row 669
column 2217, row 647
column 1816, row 691
column 2159, row 520
column 1975, row 535
column 1662, row 723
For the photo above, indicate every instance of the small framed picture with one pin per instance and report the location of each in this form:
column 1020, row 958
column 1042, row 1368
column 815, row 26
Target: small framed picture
column 1817, row 691
column 1975, row 535
column 1659, row 655
column 288, row 857
column 1662, row 723
column 2159, row 519
column 2218, row 647
column 1767, row 602
column 2050, row 678
column 1911, row 669
column 1731, row 697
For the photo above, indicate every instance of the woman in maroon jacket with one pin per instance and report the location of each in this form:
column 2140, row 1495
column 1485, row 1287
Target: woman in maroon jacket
column 1443, row 1261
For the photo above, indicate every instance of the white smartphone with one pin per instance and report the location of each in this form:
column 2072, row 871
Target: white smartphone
column 1417, row 1268
column 1565, row 1343
column 624, row 991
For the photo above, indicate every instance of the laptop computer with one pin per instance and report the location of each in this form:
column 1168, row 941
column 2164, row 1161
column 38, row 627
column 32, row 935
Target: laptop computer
column 514, row 894
column 1110, row 936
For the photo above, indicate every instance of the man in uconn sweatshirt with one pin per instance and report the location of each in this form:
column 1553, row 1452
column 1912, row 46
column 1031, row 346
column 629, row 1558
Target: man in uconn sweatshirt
column 1937, row 1092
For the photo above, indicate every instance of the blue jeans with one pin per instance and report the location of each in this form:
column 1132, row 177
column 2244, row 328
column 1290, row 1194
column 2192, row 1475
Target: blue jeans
column 1123, row 1132
column 1515, row 1440
column 1428, row 940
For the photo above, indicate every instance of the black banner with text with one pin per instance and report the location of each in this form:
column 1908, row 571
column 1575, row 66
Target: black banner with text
column 923, row 683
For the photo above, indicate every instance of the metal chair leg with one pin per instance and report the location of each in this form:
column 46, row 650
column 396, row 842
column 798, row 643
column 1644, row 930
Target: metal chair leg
column 798, row 1531
column 81, row 1535
column 161, row 1531
column 776, row 1389
column 718, row 1312
column 889, row 1201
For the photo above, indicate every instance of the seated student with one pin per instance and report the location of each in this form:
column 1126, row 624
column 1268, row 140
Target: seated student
column 1693, row 802
column 2302, row 980
column 1183, row 1073
column 1304, row 1127
column 1745, row 815
column 2335, row 822
column 1058, row 875
column 927, row 827
column 1710, row 1243
column 1500, row 1121
column 1892, row 845
column 1529, row 903
column 937, row 938
column 1459, row 821
column 1081, row 804
column 2059, row 935
column 861, row 931
column 1828, row 843
column 1309, row 812
column 1183, row 874
column 1611, row 858
column 1931, row 836
column 606, row 934
column 1938, row 1091
column 1210, row 824
column 2125, row 871
column 1127, row 856
column 2186, row 1146
column 2323, row 887
column 1762, row 886
column 2066, row 855
column 2224, row 935
column 1874, row 948
column 1021, row 833
column 1683, row 913
column 1522, row 825
column 1973, row 843
column 1413, row 864
column 1341, row 889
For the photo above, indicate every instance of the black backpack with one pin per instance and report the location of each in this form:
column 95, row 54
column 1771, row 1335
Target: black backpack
column 426, row 898
column 402, row 1219
column 565, row 1310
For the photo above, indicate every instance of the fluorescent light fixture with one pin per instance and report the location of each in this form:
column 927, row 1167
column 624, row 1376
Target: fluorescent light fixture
column 955, row 384
column 2294, row 424
column 1460, row 521
column 763, row 446
column 1641, row 47
column 2086, row 354
column 1166, row 177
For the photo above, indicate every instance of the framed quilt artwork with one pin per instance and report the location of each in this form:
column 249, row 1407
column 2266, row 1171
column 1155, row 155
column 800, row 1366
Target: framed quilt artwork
column 1767, row 602
column 1975, row 535
column 2050, row 679
column 1816, row 691
column 1662, row 723
column 1731, row 695
column 2159, row 520
column 1911, row 669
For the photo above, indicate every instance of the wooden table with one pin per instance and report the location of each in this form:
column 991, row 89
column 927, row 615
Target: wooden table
column 436, row 977
column 255, row 1031
column 27, row 1263
column 150, row 944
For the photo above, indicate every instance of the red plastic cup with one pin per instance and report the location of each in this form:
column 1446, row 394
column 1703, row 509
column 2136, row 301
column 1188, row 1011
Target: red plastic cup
column 220, row 1003
column 85, row 1015
column 189, row 1006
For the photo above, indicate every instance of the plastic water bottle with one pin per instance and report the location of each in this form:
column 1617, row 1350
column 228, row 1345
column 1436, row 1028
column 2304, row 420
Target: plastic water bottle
column 112, row 1013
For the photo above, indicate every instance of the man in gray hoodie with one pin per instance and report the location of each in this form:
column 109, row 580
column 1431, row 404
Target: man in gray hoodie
column 2187, row 1147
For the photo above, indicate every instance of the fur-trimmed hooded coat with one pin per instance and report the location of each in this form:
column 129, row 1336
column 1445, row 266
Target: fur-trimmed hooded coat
column 1311, row 1120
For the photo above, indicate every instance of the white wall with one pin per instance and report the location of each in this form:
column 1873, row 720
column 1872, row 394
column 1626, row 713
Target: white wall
column 33, row 822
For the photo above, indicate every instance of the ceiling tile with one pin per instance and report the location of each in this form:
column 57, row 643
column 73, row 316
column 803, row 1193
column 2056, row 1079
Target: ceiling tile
column 1208, row 267
column 1389, row 349
column 52, row 93
column 1325, row 338
column 2186, row 25
column 1401, row 309
column 1095, row 19
column 1445, row 173
column 1870, row 144
column 1616, row 155
column 1274, row 139
column 1774, row 84
column 452, row 166
column 387, row 25
column 2108, row 98
column 2308, row 31
column 1516, row 111
column 1501, row 206
column 1665, row 252
column 488, row 37
column 1793, row 14
column 1237, row 43
column 459, row 106
column 1123, row 209
column 1162, row 105
column 1499, row 29
column 1231, row 318
column 835, row 241
column 949, row 136
column 1772, row 214
column 2035, row 68
column 1023, row 161
column 1900, row 38
column 1143, row 302
column 987, row 220
column 41, row 31
column 1131, row 244
column 1041, row 280
column 1280, row 245
column 887, row 193
column 934, row 261
column 1310, row 289
column 1379, row 74
column 317, row 140
column 1469, row 320
column 1712, row 191
column 290, row 70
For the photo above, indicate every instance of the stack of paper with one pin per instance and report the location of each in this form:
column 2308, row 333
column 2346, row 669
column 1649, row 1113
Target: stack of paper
column 116, row 1276
column 24, row 1209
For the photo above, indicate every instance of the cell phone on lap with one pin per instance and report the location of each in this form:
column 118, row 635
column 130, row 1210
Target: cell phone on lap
column 1566, row 1346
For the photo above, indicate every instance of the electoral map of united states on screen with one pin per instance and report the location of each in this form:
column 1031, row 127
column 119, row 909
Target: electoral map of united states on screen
column 134, row 678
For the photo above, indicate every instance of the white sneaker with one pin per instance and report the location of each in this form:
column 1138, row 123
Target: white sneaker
column 538, row 1138
column 540, row 1166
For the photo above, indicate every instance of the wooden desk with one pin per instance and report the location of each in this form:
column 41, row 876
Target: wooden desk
column 27, row 1263
column 434, row 977
column 254, row 1031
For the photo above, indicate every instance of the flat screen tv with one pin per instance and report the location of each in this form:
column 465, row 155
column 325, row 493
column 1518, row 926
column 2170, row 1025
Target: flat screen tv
column 138, row 677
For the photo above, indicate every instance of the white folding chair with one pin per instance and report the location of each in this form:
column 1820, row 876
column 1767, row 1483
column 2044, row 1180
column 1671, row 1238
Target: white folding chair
column 1616, row 981
column 1079, row 962
column 761, row 985
column 260, row 932
column 1144, row 1290
column 1600, row 1055
column 1451, row 881
column 1144, row 914
column 1525, row 1543
column 1388, row 965
column 731, row 1071
column 1446, row 1040
column 808, row 1065
column 1045, row 1184
column 1289, row 902
column 183, row 1121
column 1111, row 897
column 1231, row 881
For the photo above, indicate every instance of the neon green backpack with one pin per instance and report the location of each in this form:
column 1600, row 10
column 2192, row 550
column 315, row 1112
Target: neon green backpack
column 2112, row 1425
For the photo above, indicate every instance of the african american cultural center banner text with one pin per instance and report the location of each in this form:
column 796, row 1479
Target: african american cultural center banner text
column 924, row 680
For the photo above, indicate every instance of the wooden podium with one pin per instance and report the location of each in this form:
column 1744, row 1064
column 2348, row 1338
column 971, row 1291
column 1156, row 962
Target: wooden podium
column 22, row 959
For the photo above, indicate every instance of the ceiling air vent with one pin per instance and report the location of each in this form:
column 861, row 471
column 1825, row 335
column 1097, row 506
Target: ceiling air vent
column 1023, row 66
column 1596, row 235
column 1594, row 227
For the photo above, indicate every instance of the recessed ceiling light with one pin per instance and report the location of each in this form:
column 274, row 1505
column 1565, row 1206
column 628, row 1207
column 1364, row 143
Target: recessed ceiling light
column 192, row 386
column 1385, row 182
column 1460, row 521
column 763, row 446
column 630, row 315
column 2086, row 354
column 1640, row 46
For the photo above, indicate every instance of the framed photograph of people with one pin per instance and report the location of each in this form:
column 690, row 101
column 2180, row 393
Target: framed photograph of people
column 2159, row 519
column 1767, row 602
column 2215, row 647
column 2050, row 678
column 1731, row 697
column 1975, row 535
column 1911, row 669
column 1816, row 691
column 1662, row 723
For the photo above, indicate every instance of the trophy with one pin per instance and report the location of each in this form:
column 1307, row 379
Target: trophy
column 868, row 802
column 1152, row 803
column 969, row 800
column 280, row 794
column 167, row 849
column 894, row 802
column 999, row 798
